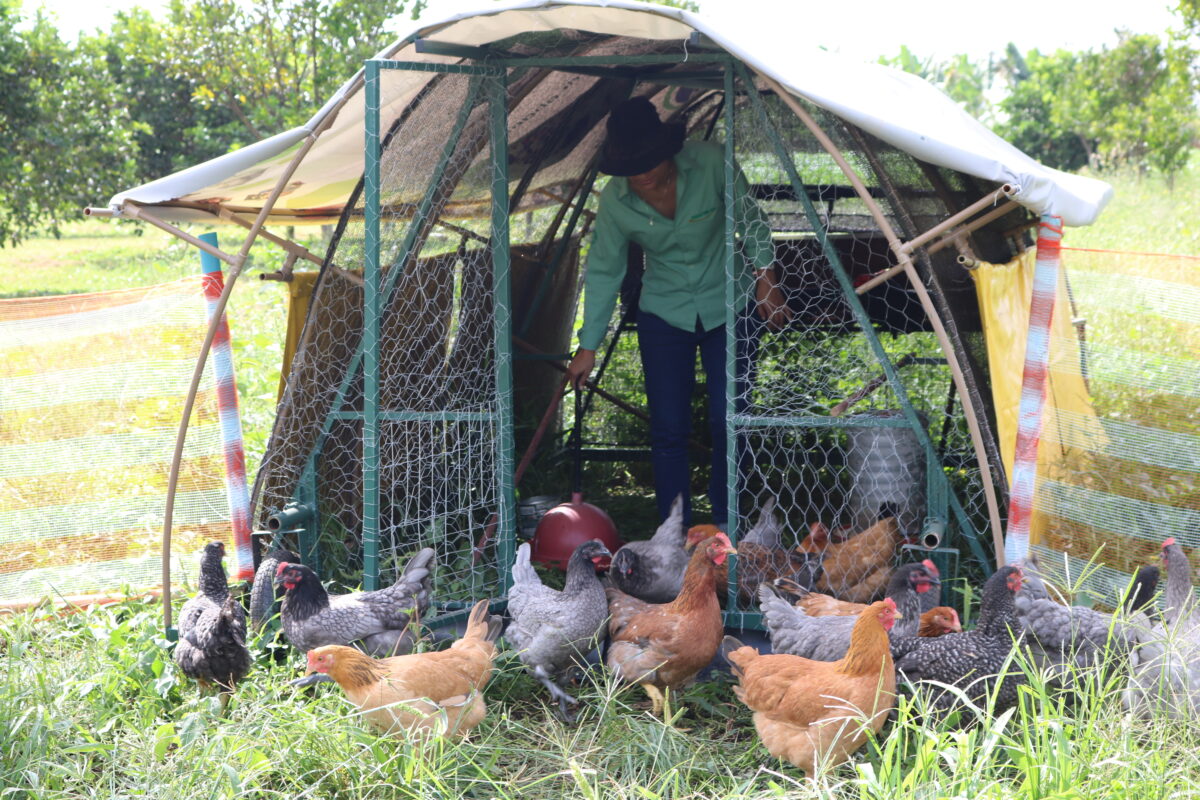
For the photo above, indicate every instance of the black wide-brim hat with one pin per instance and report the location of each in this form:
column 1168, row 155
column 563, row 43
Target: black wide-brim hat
column 638, row 141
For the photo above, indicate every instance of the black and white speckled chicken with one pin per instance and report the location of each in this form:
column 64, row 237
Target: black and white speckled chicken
column 212, row 628
column 552, row 630
column 652, row 569
column 378, row 621
column 971, row 661
column 1065, row 639
column 794, row 632
column 264, row 593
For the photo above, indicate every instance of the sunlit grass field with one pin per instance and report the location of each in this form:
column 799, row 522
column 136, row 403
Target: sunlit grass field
column 92, row 706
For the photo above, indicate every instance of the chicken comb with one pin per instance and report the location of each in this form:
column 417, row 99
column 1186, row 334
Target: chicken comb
column 931, row 567
column 890, row 603
column 1168, row 542
column 282, row 566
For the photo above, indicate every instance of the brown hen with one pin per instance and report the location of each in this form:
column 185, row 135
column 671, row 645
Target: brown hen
column 663, row 647
column 436, row 692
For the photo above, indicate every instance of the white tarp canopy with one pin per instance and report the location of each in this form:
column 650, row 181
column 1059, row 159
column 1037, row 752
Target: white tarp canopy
column 898, row 108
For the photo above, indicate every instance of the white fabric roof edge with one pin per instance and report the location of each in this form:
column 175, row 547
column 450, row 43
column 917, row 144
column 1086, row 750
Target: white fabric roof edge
column 894, row 106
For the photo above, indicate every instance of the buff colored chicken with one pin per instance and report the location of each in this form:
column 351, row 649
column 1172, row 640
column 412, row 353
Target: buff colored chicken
column 815, row 714
column 938, row 621
column 761, row 556
column 432, row 693
column 823, row 605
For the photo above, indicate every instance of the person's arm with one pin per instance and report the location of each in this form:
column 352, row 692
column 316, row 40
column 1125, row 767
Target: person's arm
column 754, row 234
column 606, row 263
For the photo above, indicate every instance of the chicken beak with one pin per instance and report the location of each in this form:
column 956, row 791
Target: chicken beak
column 898, row 615
column 731, row 552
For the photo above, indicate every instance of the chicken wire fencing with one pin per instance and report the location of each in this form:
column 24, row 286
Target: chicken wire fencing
column 477, row 305
column 86, row 436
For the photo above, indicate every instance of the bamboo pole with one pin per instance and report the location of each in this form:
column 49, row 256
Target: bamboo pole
column 960, row 233
column 1005, row 191
column 905, row 263
column 289, row 246
column 131, row 209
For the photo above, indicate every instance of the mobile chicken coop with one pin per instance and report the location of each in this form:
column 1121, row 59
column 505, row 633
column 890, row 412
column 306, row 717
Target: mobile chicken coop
column 451, row 282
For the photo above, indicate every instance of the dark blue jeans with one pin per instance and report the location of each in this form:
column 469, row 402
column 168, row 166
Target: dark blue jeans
column 669, row 370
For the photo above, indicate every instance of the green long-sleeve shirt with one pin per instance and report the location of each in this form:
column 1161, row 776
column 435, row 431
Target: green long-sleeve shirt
column 685, row 256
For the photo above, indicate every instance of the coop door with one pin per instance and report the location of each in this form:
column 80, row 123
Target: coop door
column 435, row 440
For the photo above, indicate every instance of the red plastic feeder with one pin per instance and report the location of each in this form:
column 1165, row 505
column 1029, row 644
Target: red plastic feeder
column 568, row 525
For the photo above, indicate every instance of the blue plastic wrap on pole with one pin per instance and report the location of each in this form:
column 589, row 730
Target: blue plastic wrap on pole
column 232, row 449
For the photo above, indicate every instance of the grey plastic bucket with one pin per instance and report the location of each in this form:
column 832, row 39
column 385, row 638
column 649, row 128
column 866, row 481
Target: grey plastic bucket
column 887, row 469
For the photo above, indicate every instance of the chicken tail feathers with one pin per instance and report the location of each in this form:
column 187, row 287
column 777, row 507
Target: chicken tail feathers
column 522, row 570
column 481, row 625
column 787, row 586
column 737, row 654
column 419, row 567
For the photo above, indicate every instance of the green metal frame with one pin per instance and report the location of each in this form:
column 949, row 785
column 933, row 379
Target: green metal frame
column 491, row 79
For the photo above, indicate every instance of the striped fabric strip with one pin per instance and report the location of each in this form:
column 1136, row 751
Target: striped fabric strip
column 1033, row 387
column 231, row 423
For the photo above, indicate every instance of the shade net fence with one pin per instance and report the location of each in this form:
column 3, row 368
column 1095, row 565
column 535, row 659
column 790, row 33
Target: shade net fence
column 1119, row 456
column 91, row 388
column 441, row 465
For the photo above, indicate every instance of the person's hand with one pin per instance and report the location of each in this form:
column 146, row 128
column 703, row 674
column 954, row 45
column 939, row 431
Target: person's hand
column 581, row 367
column 770, row 303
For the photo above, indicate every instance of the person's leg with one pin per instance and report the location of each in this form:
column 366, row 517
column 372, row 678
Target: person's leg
column 668, row 368
column 712, row 355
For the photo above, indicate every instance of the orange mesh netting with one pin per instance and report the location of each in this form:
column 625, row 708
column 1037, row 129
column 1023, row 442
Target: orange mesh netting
column 91, row 388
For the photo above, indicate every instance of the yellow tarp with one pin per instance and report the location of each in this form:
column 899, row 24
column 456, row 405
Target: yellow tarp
column 1004, row 292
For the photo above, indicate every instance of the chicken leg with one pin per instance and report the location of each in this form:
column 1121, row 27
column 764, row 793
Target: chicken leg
column 564, row 700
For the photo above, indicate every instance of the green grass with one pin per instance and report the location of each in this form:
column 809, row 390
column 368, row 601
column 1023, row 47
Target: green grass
column 1145, row 215
column 91, row 705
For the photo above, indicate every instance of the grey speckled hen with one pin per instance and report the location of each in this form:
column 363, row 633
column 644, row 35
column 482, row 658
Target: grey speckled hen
column 796, row 633
column 972, row 660
column 552, row 629
column 1165, row 666
column 212, row 628
column 652, row 569
column 378, row 620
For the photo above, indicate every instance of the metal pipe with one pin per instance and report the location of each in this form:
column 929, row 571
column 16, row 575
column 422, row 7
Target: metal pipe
column 974, row 225
column 134, row 211
column 926, row 303
column 92, row 211
column 882, row 277
column 1007, row 190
